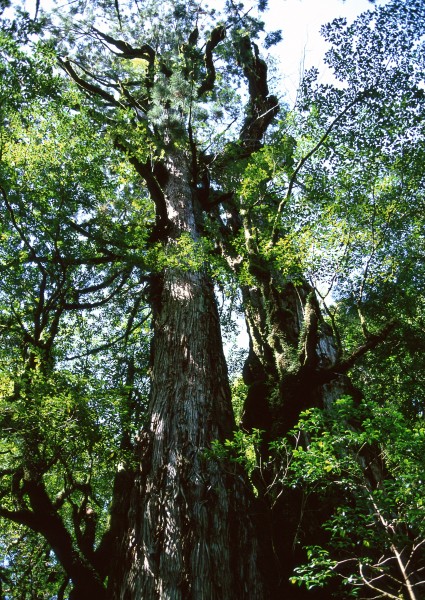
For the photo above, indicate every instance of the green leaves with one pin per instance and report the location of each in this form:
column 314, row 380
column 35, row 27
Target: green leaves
column 333, row 195
column 318, row 571
column 372, row 459
column 73, row 272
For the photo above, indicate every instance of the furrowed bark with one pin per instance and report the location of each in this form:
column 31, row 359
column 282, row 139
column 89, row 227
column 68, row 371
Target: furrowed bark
column 289, row 343
column 189, row 532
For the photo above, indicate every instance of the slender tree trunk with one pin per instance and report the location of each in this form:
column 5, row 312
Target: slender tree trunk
column 189, row 532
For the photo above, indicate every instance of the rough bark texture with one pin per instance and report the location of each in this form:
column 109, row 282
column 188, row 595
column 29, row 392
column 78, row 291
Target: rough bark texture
column 293, row 364
column 189, row 531
column 289, row 369
column 290, row 349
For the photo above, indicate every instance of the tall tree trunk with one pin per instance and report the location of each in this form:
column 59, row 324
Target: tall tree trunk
column 189, row 532
column 289, row 369
column 292, row 353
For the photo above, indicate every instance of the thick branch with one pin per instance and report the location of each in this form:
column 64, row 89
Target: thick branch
column 308, row 355
column 346, row 364
column 23, row 517
column 146, row 172
column 145, row 52
column 51, row 526
column 262, row 107
column 85, row 85
column 217, row 35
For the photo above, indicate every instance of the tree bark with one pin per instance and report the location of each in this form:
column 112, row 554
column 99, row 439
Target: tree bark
column 189, row 531
column 290, row 346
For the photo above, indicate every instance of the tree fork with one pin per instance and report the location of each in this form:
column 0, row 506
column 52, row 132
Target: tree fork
column 189, row 531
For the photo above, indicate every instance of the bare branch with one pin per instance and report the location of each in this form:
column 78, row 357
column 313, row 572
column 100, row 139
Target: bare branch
column 374, row 588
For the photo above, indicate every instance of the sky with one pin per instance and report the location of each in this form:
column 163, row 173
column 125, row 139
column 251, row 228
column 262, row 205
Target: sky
column 300, row 22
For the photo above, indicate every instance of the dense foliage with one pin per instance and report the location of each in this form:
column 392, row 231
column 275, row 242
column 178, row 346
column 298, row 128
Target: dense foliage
column 323, row 203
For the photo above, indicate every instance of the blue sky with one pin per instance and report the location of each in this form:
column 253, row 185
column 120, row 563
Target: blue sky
column 300, row 22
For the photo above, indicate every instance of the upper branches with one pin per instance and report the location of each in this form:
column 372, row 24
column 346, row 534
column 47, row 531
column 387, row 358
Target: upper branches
column 262, row 107
column 217, row 35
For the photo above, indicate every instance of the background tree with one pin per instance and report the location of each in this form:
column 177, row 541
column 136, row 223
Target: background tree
column 346, row 130
column 67, row 416
column 376, row 531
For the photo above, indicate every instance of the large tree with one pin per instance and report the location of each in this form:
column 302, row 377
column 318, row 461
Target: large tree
column 218, row 195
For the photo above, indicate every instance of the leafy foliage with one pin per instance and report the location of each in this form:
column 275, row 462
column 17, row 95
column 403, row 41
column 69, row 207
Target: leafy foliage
column 66, row 233
column 376, row 531
column 331, row 194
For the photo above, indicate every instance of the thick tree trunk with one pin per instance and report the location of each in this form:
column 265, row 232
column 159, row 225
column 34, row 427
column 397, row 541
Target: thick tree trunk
column 290, row 348
column 189, row 532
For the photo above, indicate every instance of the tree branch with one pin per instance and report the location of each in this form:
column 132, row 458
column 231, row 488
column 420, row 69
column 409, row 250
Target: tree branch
column 305, row 158
column 262, row 107
column 145, row 171
column 346, row 364
column 90, row 305
column 23, row 517
column 85, row 85
column 108, row 345
column 308, row 355
column 49, row 523
column 32, row 252
column 145, row 52
column 217, row 35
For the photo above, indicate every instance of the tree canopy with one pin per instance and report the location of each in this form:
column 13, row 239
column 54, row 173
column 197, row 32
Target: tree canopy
column 154, row 191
